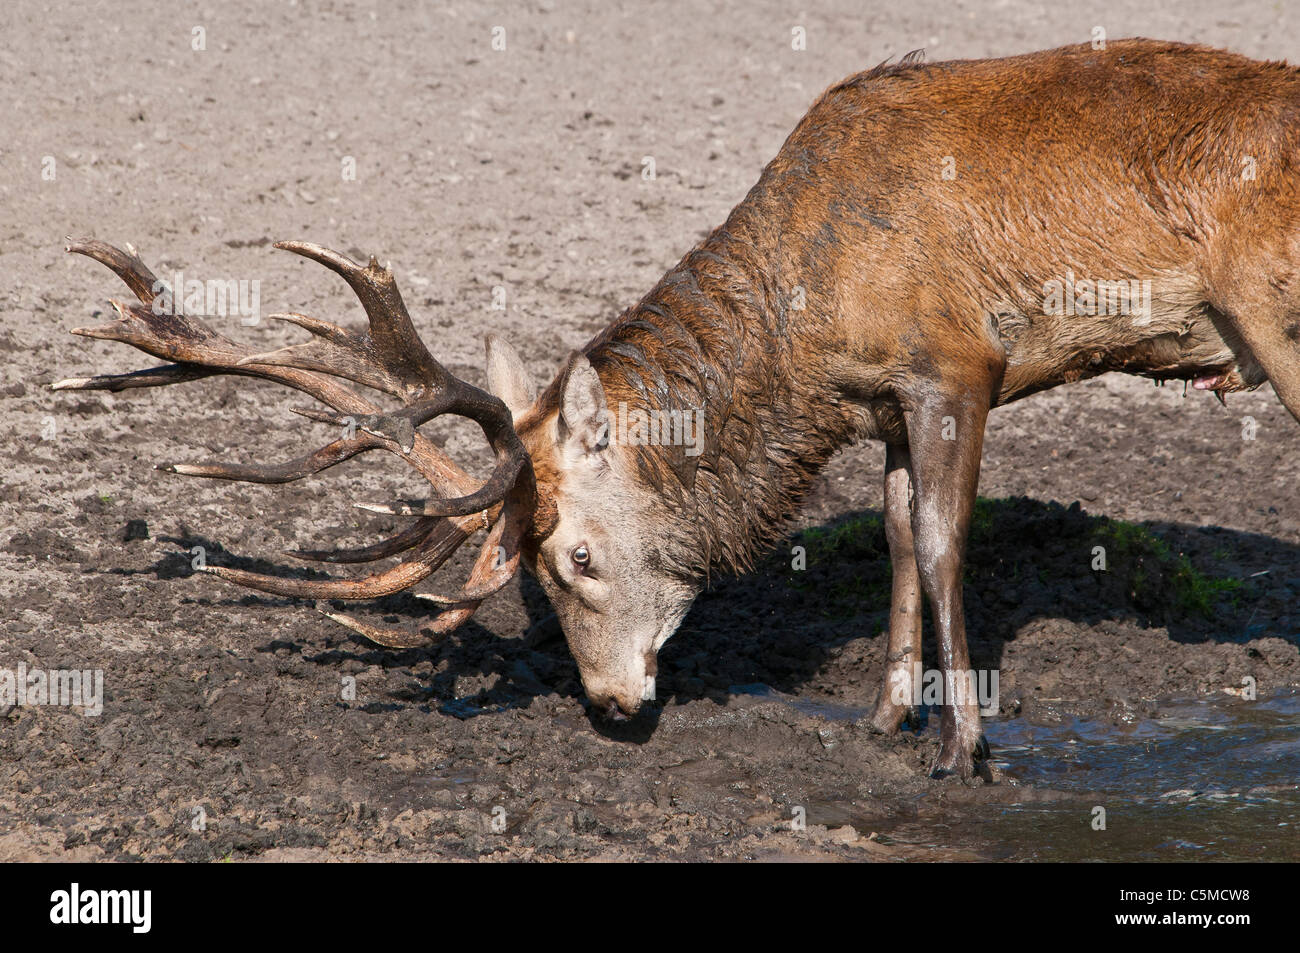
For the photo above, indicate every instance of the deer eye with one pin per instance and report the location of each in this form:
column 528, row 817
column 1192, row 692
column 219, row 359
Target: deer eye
column 580, row 556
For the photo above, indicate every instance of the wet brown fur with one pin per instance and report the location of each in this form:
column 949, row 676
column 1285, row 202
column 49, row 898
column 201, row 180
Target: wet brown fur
column 895, row 260
column 923, row 294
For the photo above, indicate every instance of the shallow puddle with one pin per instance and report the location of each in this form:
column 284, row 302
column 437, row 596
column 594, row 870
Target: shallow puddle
column 1202, row 779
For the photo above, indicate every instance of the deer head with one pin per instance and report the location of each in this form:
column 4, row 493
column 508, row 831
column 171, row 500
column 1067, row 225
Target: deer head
column 617, row 593
column 563, row 498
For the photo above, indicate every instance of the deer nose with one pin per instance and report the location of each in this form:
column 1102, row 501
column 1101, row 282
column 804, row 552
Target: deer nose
column 614, row 713
column 613, row 709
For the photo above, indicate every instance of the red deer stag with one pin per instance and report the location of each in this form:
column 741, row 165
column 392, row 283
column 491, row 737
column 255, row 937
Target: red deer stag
column 906, row 263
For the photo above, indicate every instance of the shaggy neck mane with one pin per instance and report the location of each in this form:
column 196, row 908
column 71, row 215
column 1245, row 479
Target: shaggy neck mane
column 717, row 336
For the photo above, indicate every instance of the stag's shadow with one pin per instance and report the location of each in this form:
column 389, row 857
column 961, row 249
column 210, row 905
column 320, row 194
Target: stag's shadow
column 1027, row 561
column 828, row 586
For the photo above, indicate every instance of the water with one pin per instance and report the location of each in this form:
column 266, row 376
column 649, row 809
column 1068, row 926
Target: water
column 1206, row 779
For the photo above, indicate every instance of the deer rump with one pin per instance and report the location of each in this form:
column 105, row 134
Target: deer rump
column 932, row 241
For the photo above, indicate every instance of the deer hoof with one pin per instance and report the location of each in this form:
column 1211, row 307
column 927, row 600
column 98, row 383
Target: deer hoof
column 889, row 717
column 954, row 761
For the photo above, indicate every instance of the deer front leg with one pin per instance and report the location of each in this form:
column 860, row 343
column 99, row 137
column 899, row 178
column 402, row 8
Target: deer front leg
column 895, row 705
column 946, row 433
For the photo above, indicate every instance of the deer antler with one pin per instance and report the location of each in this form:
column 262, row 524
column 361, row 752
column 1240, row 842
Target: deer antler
column 390, row 358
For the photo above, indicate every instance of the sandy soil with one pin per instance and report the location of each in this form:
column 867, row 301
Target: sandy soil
column 521, row 169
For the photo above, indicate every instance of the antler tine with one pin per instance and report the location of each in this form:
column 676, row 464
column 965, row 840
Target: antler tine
column 125, row 264
column 431, row 553
column 395, row 544
column 445, row 621
column 190, row 341
column 149, row 377
column 327, row 456
column 398, row 346
column 334, row 351
column 397, row 638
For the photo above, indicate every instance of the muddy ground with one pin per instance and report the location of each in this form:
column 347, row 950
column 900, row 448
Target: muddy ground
column 225, row 733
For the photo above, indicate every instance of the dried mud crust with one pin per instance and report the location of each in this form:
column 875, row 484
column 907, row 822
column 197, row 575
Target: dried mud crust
column 524, row 172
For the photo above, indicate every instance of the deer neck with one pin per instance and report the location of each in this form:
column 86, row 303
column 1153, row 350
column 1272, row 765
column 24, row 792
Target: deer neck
column 712, row 392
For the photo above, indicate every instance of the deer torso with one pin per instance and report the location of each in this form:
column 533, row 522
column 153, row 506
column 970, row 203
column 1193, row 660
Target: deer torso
column 1062, row 207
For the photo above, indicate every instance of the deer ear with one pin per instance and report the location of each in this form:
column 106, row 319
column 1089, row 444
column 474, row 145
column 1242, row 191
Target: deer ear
column 584, row 419
column 507, row 376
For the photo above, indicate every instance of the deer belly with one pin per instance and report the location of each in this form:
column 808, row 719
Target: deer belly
column 1193, row 343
